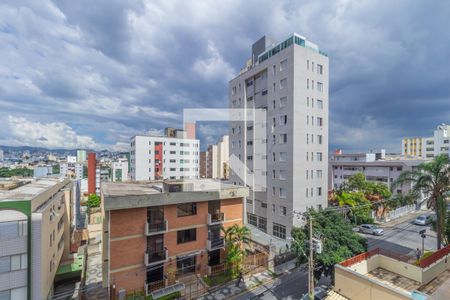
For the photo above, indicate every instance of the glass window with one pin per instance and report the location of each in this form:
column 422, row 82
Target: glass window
column 283, row 193
column 262, row 223
column 283, row 83
column 279, row 230
column 188, row 235
column 283, row 64
column 5, row 295
column 283, row 101
column 15, row 262
column 319, row 104
column 186, row 209
column 252, row 219
column 283, row 156
column 5, row 264
column 9, row 230
column 19, row 293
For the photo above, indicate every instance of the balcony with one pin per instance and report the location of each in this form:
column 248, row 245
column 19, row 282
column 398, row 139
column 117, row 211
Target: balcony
column 156, row 228
column 215, row 244
column 216, row 218
column 156, row 257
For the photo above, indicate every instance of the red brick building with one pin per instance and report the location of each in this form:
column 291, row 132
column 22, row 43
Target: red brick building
column 152, row 229
column 92, row 173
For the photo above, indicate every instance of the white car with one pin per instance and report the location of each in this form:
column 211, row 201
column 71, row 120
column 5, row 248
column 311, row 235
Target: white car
column 371, row 229
column 423, row 220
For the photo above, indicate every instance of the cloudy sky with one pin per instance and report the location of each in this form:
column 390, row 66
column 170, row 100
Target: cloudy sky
column 93, row 73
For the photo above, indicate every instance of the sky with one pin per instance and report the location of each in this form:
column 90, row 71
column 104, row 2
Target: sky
column 91, row 74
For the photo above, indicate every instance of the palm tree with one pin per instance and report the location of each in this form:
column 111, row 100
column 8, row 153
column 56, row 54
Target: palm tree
column 234, row 237
column 433, row 180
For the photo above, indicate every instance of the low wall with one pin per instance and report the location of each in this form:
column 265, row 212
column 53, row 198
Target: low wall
column 435, row 269
column 355, row 286
column 401, row 268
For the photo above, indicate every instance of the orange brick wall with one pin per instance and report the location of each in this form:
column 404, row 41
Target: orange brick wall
column 170, row 213
column 130, row 251
column 233, row 209
column 131, row 280
column 126, row 222
column 170, row 238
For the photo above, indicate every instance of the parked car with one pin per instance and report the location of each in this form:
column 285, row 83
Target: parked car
column 320, row 292
column 423, row 220
column 371, row 229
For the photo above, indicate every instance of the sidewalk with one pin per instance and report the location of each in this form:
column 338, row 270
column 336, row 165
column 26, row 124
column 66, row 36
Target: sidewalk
column 230, row 289
column 410, row 216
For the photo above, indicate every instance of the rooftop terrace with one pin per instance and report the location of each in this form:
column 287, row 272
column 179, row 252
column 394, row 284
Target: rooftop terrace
column 26, row 189
column 121, row 195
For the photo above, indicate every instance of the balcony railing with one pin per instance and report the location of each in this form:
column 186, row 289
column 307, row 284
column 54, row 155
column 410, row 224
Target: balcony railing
column 156, row 228
column 216, row 218
column 156, row 257
column 154, row 286
column 215, row 244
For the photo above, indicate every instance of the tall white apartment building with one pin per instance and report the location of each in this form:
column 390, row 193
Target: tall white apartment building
column 157, row 157
column 289, row 80
column 217, row 159
column 81, row 156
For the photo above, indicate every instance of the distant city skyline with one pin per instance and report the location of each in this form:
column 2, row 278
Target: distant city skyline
column 76, row 79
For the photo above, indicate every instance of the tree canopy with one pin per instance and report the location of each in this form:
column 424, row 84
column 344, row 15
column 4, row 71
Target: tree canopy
column 21, row 172
column 93, row 201
column 339, row 241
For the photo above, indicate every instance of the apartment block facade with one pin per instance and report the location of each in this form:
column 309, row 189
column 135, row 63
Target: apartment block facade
column 154, row 157
column 289, row 81
column 120, row 170
column 428, row 147
column 377, row 167
column 35, row 232
column 217, row 159
column 157, row 232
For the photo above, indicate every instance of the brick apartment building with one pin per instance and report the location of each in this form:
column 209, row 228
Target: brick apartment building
column 152, row 229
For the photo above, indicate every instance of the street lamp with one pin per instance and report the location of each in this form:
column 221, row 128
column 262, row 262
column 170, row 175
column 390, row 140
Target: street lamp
column 422, row 234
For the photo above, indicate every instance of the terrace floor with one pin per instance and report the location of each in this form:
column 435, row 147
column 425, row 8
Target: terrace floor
column 438, row 288
column 393, row 279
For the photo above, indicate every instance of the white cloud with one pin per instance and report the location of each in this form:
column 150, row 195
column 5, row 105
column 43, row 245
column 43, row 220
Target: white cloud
column 214, row 66
column 20, row 131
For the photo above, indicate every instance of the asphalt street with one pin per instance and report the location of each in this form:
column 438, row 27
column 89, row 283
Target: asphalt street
column 403, row 238
column 288, row 286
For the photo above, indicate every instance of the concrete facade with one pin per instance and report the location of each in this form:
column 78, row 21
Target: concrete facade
column 217, row 159
column 153, row 157
column 40, row 212
column 428, row 147
column 145, row 225
column 375, row 167
column 120, row 170
column 290, row 82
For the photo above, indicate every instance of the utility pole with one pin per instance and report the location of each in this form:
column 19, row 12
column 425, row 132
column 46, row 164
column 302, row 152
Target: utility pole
column 311, row 263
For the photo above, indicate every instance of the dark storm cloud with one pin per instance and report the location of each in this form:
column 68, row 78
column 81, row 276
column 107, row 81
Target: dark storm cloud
column 133, row 66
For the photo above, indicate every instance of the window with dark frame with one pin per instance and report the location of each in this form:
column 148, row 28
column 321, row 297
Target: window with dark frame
column 186, row 209
column 185, row 236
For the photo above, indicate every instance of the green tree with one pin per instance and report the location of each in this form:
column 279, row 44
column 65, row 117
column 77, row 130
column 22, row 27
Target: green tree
column 235, row 236
column 447, row 230
column 433, row 180
column 56, row 169
column 93, row 201
column 21, row 172
column 338, row 240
